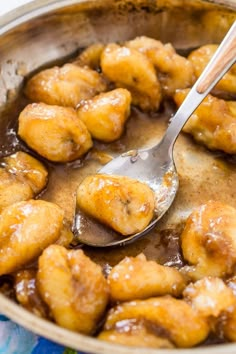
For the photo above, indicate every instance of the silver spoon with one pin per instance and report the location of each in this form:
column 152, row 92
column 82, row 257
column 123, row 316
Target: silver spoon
column 155, row 166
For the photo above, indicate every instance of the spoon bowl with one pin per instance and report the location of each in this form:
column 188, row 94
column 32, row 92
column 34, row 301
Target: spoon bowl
column 155, row 166
column 148, row 166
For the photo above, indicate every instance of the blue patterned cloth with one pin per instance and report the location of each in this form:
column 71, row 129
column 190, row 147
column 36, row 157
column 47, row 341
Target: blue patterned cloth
column 17, row 340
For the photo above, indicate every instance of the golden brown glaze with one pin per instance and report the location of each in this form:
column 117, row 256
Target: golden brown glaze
column 210, row 296
column 173, row 70
column 26, row 228
column 208, row 241
column 27, row 168
column 90, row 56
column 201, row 56
column 179, row 322
column 213, row 124
column 137, row 278
column 64, row 86
column 54, row 132
column 124, row 204
column 105, row 115
column 130, row 69
column 22, row 177
column 136, row 334
column 73, row 287
column 12, row 190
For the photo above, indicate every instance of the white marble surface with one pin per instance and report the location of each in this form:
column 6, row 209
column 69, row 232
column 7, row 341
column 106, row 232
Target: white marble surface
column 8, row 5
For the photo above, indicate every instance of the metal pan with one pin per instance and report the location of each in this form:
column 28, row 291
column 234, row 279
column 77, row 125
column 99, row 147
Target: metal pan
column 48, row 31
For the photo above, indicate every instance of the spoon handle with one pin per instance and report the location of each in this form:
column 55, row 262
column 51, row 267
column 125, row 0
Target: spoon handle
column 220, row 63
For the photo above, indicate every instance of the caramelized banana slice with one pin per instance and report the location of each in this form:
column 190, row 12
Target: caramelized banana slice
column 135, row 334
column 208, row 241
column 123, row 203
column 21, row 178
column 65, row 86
column 137, row 278
column 213, row 124
column 54, row 132
column 105, row 115
column 128, row 68
column 173, row 319
column 73, row 287
column 91, row 56
column 27, row 168
column 26, row 228
column 210, row 296
column 174, row 71
column 27, row 293
column 200, row 58
column 12, row 190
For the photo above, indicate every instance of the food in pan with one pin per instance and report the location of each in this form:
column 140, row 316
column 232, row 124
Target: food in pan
column 175, row 319
column 208, row 240
column 136, row 334
column 105, row 114
column 73, row 287
column 138, row 278
column 200, row 57
column 55, row 132
column 91, row 56
column 65, row 86
column 213, row 124
column 173, row 70
column 121, row 202
column 136, row 300
column 22, row 177
column 130, row 69
column 26, row 228
column 210, row 296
